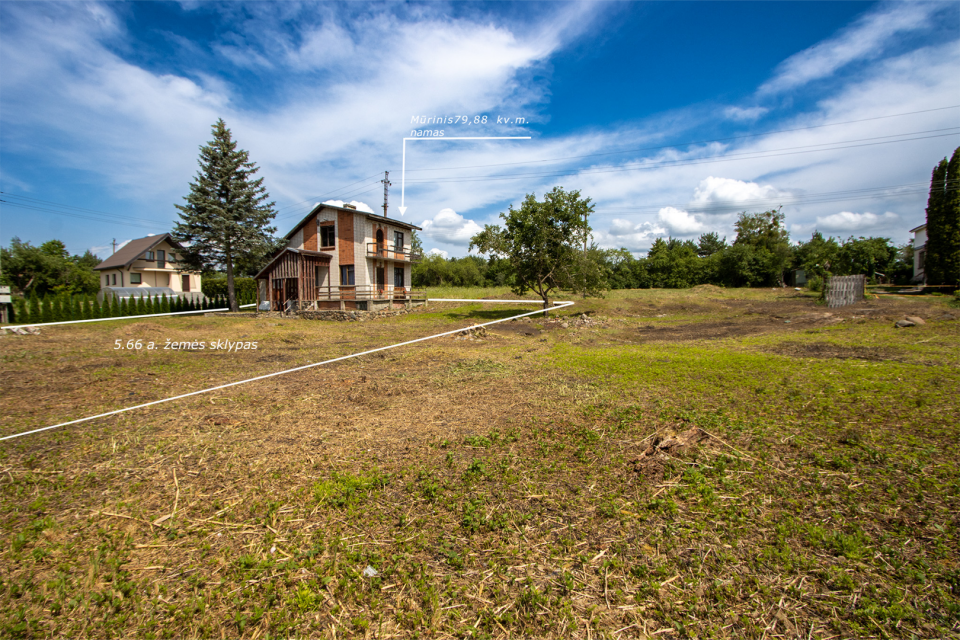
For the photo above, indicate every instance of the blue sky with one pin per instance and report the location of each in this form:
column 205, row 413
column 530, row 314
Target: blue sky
column 671, row 116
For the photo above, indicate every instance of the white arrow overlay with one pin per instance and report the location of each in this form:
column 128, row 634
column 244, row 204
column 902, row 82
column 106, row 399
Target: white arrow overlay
column 403, row 175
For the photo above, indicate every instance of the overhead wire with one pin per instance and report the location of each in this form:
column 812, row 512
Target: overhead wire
column 753, row 155
column 684, row 144
column 781, row 199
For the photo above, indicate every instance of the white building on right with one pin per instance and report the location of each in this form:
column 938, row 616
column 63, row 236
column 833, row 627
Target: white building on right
column 919, row 252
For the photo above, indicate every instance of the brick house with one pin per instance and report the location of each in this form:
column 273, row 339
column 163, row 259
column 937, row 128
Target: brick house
column 340, row 258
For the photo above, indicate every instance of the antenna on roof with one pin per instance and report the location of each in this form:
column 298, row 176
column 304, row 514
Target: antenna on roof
column 114, row 245
column 386, row 184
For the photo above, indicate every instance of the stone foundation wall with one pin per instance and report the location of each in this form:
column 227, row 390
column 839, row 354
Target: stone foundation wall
column 351, row 315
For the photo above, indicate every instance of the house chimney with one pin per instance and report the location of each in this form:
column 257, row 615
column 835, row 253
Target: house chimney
column 350, row 206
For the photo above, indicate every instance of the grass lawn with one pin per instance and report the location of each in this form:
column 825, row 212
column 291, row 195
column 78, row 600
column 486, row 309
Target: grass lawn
column 705, row 463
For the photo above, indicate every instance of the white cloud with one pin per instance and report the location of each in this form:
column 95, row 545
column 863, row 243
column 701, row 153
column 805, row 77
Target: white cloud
column 719, row 191
column 865, row 39
column 744, row 114
column 361, row 206
column 450, row 227
column 679, row 222
column 440, row 252
column 849, row 221
column 629, row 235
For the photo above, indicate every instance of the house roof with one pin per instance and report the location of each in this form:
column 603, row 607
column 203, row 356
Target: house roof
column 134, row 249
column 372, row 216
column 915, row 229
column 324, row 257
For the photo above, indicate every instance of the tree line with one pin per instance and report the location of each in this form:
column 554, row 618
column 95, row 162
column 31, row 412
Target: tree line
column 760, row 255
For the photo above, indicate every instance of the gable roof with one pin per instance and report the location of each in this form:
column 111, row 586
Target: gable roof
column 372, row 216
column 915, row 229
column 134, row 249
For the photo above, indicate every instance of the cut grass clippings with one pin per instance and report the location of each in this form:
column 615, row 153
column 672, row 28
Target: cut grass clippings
column 729, row 464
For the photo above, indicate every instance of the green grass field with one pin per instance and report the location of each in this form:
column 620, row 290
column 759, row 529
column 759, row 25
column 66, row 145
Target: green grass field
column 705, row 463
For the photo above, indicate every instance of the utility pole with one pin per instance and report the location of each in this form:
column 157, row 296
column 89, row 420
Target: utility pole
column 114, row 245
column 386, row 185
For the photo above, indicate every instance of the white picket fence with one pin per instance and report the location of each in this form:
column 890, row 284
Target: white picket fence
column 844, row 290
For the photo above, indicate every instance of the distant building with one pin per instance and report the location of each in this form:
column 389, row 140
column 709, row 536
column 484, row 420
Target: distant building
column 919, row 252
column 147, row 262
column 341, row 258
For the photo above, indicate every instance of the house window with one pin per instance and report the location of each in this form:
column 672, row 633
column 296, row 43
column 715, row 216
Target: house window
column 148, row 255
column 921, row 260
column 327, row 236
column 346, row 275
column 398, row 276
column 397, row 241
column 135, row 278
column 161, row 256
column 114, row 278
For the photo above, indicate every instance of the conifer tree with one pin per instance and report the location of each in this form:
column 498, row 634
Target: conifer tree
column 46, row 313
column 21, row 314
column 95, row 310
column 148, row 306
column 164, row 304
column 227, row 213
column 36, row 315
column 78, row 304
column 942, row 265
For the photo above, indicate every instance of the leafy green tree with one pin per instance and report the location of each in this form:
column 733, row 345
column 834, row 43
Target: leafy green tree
column 743, row 265
column 416, row 246
column 710, row 243
column 543, row 242
column 817, row 256
column 673, row 263
column 868, row 256
column 47, row 268
column 227, row 214
column 942, row 265
column 767, row 235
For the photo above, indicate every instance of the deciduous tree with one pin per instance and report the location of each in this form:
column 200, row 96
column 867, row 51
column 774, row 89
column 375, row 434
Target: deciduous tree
column 544, row 242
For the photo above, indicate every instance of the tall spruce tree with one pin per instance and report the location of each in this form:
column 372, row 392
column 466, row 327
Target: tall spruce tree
column 942, row 264
column 227, row 212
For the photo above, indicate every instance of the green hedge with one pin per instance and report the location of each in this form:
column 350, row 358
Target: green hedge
column 65, row 307
column 245, row 288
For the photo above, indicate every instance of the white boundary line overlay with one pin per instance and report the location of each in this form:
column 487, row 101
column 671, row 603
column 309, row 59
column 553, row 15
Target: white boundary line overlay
column 557, row 304
column 149, row 315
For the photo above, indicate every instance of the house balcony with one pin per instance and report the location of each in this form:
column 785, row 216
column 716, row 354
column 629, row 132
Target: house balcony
column 385, row 251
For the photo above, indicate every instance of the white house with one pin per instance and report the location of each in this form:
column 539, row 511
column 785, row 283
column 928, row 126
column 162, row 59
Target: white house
column 147, row 262
column 919, row 251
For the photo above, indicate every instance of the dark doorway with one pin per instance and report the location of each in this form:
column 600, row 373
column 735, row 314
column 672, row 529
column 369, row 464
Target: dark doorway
column 185, row 283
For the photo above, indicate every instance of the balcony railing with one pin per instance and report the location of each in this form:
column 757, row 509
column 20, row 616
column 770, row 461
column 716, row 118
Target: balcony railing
column 368, row 292
column 385, row 251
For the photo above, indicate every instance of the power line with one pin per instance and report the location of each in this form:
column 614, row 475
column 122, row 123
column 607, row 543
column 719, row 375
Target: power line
column 143, row 225
column 753, row 155
column 784, row 199
column 30, row 201
column 685, row 144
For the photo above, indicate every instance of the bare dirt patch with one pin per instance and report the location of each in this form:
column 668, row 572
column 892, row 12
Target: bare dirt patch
column 839, row 352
